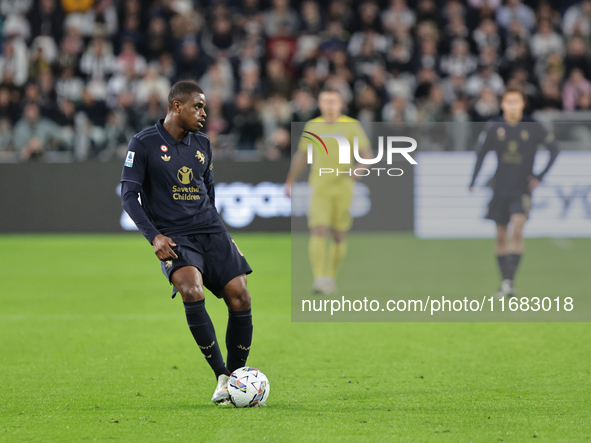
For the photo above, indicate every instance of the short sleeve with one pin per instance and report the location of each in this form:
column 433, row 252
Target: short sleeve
column 134, row 168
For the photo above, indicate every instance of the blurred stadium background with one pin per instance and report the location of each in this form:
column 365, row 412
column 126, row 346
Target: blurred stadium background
column 79, row 78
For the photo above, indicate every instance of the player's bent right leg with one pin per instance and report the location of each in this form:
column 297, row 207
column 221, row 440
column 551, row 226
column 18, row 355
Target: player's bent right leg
column 189, row 282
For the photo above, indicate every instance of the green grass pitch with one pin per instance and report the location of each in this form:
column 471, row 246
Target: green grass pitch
column 93, row 348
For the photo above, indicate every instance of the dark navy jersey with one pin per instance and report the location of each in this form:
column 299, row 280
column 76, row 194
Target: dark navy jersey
column 176, row 179
column 516, row 146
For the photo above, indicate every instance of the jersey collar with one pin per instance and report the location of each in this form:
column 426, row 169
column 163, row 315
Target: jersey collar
column 169, row 138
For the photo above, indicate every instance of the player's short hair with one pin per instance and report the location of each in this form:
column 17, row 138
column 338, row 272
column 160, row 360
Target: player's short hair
column 331, row 90
column 513, row 90
column 181, row 91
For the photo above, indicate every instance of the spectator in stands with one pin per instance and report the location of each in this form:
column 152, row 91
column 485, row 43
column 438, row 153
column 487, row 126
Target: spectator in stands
column 303, row 106
column 126, row 113
column 191, row 63
column 339, row 64
column 250, row 80
column 432, row 109
column 427, row 56
column 152, row 83
column 367, row 59
column 485, row 77
column 550, row 97
column 8, row 109
column 275, row 114
column 577, row 56
column 15, row 7
column 217, row 121
column 575, row 87
column 14, row 63
column 157, row 40
column 278, row 145
column 460, row 61
column 312, row 21
column 98, row 61
column 223, row 38
column 245, row 122
column 64, row 116
column 577, row 19
column 6, row 147
column 47, row 19
column 486, row 105
column 33, row 134
column 397, row 14
column 546, row 41
column 219, row 79
column 367, row 106
column 95, row 112
column 280, row 19
column 453, row 88
column 68, row 86
column 71, row 48
column 399, row 110
column 426, row 77
column 129, row 59
column 154, row 109
column 334, row 38
column 486, row 35
column 515, row 11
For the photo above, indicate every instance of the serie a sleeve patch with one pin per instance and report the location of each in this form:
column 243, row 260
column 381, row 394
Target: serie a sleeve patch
column 129, row 159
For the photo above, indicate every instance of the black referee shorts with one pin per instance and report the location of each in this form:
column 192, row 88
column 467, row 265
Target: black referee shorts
column 502, row 206
column 215, row 255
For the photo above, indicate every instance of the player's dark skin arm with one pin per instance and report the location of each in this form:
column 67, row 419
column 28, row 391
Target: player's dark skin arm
column 162, row 244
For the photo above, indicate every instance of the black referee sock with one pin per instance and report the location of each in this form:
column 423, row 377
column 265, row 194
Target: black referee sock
column 504, row 266
column 513, row 260
column 202, row 329
column 238, row 338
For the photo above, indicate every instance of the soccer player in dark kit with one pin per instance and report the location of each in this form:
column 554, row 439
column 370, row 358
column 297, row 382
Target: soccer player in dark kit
column 170, row 166
column 515, row 138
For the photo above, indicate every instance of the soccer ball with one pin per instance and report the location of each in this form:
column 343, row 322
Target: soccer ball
column 248, row 387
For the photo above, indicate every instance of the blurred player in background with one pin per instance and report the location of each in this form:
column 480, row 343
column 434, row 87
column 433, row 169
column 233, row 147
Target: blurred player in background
column 515, row 138
column 332, row 193
column 170, row 165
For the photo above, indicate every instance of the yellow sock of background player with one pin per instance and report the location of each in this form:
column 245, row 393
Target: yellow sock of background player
column 317, row 252
column 336, row 254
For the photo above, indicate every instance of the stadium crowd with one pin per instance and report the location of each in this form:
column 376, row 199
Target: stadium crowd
column 79, row 78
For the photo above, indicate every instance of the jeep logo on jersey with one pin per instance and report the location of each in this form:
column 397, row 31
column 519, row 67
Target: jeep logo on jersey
column 185, row 175
column 345, row 148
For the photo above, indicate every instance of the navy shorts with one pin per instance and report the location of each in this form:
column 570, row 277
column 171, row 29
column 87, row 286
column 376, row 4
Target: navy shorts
column 215, row 255
column 503, row 206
